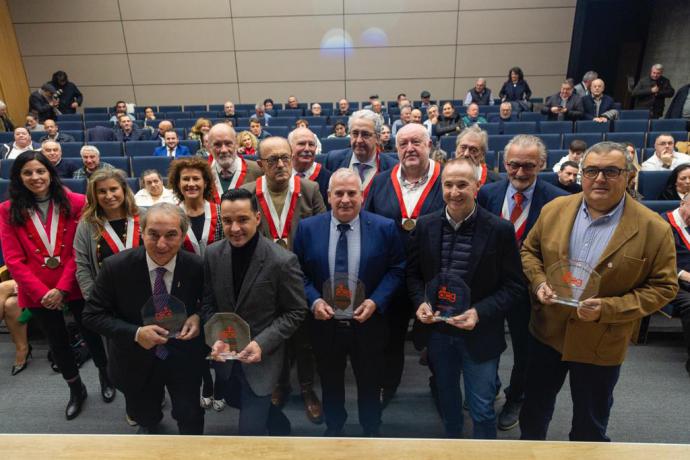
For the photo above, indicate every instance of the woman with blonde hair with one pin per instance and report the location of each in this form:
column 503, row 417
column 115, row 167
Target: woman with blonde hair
column 201, row 127
column 248, row 144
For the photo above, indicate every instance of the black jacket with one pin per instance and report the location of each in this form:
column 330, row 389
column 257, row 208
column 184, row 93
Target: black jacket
column 675, row 109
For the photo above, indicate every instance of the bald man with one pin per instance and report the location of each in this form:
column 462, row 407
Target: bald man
column 303, row 144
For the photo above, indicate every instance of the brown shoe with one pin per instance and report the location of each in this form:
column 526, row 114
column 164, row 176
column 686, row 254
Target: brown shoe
column 279, row 396
column 312, row 406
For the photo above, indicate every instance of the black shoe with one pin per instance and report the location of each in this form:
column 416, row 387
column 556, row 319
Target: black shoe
column 153, row 429
column 77, row 397
column 333, row 433
column 107, row 389
column 371, row 433
column 278, row 424
column 387, row 394
column 509, row 416
column 17, row 368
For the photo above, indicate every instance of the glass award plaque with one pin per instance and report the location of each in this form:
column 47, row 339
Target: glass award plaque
column 572, row 281
column 344, row 293
column 230, row 329
column 448, row 295
column 166, row 311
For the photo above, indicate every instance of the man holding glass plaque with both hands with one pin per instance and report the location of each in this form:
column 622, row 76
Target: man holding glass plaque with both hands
column 630, row 249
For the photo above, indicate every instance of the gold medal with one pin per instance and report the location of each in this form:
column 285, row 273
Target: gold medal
column 52, row 262
column 409, row 224
column 282, row 243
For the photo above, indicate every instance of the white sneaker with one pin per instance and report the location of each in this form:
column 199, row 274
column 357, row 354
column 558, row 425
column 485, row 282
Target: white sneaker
column 218, row 405
column 206, row 403
column 130, row 422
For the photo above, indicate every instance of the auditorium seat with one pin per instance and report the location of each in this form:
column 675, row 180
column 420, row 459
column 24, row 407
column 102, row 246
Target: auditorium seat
column 4, row 185
column 168, row 108
column 671, row 124
column 142, row 163
column 206, row 114
column 294, row 113
column 491, row 159
column 119, row 163
column 315, row 121
column 178, row 115
column 554, row 156
column 498, row 142
column 75, row 185
column 35, row 135
column 491, row 128
column 133, row 183
column 637, row 139
column 591, row 126
column 652, row 183
column 218, row 107
column 531, row 116
column 6, row 137
column 279, row 130
column 661, row 206
column 447, row 144
column 551, row 141
column 78, row 135
column 195, row 108
column 88, row 110
column 334, row 119
column 630, row 126
column 247, row 107
column 520, row 127
column 71, row 125
column 140, row 148
column 634, row 114
column 185, row 122
column 282, row 121
column 5, row 168
column 548, row 176
column 589, row 138
column 334, row 143
column 93, row 123
column 556, row 127
column 71, row 149
column 96, row 117
column 108, row 149
column 141, row 108
column 191, row 144
column 678, row 136
column 69, row 117
column 326, row 105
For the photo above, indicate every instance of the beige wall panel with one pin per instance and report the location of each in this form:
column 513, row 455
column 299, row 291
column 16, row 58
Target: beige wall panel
column 65, row 10
column 516, row 26
column 173, row 9
column 70, row 38
column 244, row 8
column 180, row 68
column 299, row 32
column 179, row 35
column 105, row 96
column 389, row 6
column 360, row 90
column 186, row 94
column 279, row 92
column 532, row 58
column 402, row 29
column 290, row 65
column 541, row 86
column 102, row 69
column 407, row 62
column 513, row 4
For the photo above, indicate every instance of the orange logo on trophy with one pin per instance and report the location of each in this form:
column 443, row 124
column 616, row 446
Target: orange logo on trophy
column 342, row 291
column 570, row 280
column 163, row 314
column 229, row 336
column 445, row 294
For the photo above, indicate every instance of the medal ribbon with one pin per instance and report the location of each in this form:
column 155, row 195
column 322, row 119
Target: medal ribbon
column 235, row 182
column 482, row 179
column 113, row 239
column 56, row 225
column 365, row 191
column 207, row 234
column 398, row 191
column 281, row 230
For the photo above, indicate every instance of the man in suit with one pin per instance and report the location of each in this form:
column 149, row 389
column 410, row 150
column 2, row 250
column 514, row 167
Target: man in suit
column 563, row 105
column 364, row 247
column 100, row 134
column 144, row 360
column 53, row 151
column 247, row 274
column 584, row 88
column 53, row 134
column 230, row 170
column 172, row 147
column 505, row 114
column 597, row 105
column 632, row 250
column 284, row 200
column 468, row 243
column 519, row 199
column 163, row 127
column 409, row 190
column 303, row 144
column 128, row 131
column 362, row 156
column 651, row 91
column 472, row 143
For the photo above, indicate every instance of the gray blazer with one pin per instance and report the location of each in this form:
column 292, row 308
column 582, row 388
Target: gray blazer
column 271, row 300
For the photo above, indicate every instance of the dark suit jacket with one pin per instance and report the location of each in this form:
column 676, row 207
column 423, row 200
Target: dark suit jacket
column 100, row 134
column 381, row 269
column 60, row 138
column 271, row 300
column 114, row 310
column 136, row 135
column 180, row 151
column 322, row 179
column 645, row 99
column 491, row 198
column 494, row 277
column 40, row 106
column 341, row 159
column 590, row 108
column 573, row 104
column 675, row 109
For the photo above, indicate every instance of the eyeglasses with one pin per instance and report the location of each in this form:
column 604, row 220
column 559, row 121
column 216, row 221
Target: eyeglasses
column 363, row 134
column 471, row 148
column 514, row 166
column 592, row 172
column 273, row 161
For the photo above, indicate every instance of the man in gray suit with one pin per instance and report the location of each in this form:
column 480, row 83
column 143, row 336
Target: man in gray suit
column 248, row 274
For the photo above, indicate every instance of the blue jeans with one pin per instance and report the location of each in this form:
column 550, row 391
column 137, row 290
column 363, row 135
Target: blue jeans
column 449, row 358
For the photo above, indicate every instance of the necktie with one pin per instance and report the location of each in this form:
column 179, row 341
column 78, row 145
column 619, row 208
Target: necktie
column 160, row 300
column 517, row 209
column 341, row 250
column 170, row 152
column 362, row 168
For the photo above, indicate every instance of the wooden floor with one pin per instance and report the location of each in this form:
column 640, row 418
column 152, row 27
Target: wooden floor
column 104, row 447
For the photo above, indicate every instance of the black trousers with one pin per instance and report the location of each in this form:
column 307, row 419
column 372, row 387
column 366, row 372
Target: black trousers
column 173, row 373
column 367, row 365
column 398, row 319
column 298, row 351
column 591, row 389
column 518, row 326
column 52, row 323
column 681, row 309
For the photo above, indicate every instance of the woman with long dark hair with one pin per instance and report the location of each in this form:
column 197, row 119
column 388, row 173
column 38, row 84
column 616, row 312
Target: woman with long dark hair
column 678, row 183
column 516, row 90
column 449, row 122
column 37, row 227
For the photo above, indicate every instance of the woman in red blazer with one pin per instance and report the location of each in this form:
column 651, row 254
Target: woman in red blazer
column 37, row 227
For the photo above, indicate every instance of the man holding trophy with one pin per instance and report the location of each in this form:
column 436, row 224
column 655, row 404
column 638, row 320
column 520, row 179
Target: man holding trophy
column 621, row 266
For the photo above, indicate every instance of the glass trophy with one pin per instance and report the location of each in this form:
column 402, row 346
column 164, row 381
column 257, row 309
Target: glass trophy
column 166, row 311
column 447, row 295
column 229, row 328
column 344, row 293
column 572, row 281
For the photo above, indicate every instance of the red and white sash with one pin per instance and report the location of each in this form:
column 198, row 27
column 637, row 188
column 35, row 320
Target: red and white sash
column 482, row 178
column 521, row 222
column 317, row 170
column 416, row 207
column 279, row 226
column 49, row 242
column 208, row 233
column 113, row 239
column 678, row 224
column 236, row 181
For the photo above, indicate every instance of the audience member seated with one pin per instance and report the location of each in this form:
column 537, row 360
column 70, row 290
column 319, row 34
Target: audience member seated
column 12, row 314
column 563, row 105
column 472, row 116
column 268, row 104
column 100, row 134
column 43, row 103
column 257, row 130
column 679, row 107
column 91, row 162
column 665, row 157
column 633, row 174
column 51, row 129
column 449, row 122
column 516, row 91
column 678, row 183
column 260, row 114
column 472, row 143
column 576, row 149
column 53, row 151
column 386, row 140
column 343, row 108
column 402, row 100
column 598, row 106
column 6, row 125
column 202, row 151
column 480, row 94
column 22, row 143
column 405, row 117
column 292, row 103
column 172, row 147
column 316, row 110
column 152, row 191
column 202, row 126
column 568, row 177
column 120, row 109
column 128, row 131
column 505, row 114
column 163, row 127
column 229, row 110
column 416, row 116
column 301, row 123
column 339, row 130
column 248, row 144
column 31, row 123
column 583, row 88
column 149, row 116
column 651, row 91
column 425, row 96
column 431, row 119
